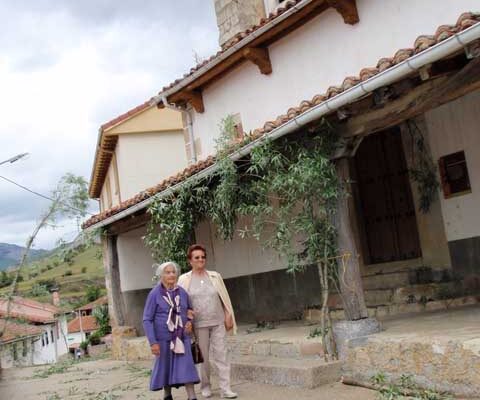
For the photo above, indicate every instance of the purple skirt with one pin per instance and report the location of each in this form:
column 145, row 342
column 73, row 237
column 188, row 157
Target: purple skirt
column 171, row 369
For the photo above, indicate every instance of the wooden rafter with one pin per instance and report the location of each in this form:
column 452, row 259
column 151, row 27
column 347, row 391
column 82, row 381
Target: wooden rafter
column 260, row 57
column 426, row 96
column 347, row 9
column 194, row 97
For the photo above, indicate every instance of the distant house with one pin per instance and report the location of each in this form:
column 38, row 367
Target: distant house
column 84, row 324
column 47, row 320
column 17, row 344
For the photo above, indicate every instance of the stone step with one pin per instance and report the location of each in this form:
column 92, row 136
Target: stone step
column 402, row 295
column 304, row 373
column 398, row 309
column 282, row 342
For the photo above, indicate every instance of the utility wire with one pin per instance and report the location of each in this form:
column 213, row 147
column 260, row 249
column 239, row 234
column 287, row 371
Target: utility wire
column 43, row 196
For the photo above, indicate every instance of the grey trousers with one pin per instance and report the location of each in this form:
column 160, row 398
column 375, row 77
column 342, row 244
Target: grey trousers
column 214, row 339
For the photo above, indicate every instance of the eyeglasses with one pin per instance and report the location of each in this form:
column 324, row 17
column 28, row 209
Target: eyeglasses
column 200, row 258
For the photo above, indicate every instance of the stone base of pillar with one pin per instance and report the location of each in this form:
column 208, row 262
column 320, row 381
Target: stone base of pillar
column 344, row 331
column 119, row 334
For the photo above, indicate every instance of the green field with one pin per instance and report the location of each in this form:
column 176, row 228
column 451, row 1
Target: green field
column 85, row 269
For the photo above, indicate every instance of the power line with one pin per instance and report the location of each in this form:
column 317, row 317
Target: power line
column 43, row 196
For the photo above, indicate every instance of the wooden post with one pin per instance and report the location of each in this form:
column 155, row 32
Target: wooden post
column 116, row 306
column 351, row 285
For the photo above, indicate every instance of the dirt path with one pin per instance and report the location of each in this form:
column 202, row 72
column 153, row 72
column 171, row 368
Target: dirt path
column 108, row 380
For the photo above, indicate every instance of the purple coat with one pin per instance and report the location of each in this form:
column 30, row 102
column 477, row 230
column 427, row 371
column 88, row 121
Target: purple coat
column 169, row 369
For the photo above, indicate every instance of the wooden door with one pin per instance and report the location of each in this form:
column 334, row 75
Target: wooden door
column 386, row 200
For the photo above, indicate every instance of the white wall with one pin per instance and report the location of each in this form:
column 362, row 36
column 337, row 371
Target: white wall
column 144, row 159
column 454, row 127
column 112, row 179
column 237, row 257
column 320, row 54
column 135, row 261
column 76, row 338
column 45, row 353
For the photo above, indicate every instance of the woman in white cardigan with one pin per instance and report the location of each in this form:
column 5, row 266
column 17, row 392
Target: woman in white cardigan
column 213, row 318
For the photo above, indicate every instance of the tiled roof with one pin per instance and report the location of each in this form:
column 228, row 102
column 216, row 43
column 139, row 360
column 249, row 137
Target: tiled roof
column 123, row 117
column 421, row 43
column 16, row 330
column 29, row 310
column 90, row 306
column 235, row 39
column 89, row 323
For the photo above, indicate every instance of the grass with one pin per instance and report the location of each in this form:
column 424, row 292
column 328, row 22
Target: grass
column 86, row 270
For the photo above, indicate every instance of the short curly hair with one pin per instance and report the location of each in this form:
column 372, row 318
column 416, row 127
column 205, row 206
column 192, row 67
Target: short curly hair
column 194, row 247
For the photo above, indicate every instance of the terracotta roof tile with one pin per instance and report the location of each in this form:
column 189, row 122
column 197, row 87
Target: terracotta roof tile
column 89, row 323
column 126, row 115
column 235, row 39
column 90, row 306
column 29, row 310
column 16, row 330
column 421, row 43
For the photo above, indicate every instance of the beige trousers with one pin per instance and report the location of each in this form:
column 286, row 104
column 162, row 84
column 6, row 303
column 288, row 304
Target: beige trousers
column 214, row 339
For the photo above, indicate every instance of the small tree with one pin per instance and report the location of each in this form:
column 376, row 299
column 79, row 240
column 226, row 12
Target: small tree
column 92, row 293
column 100, row 314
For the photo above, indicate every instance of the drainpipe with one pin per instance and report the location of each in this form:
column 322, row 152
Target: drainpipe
column 188, row 118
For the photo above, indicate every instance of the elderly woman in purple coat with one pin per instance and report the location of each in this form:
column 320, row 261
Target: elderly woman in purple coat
column 167, row 322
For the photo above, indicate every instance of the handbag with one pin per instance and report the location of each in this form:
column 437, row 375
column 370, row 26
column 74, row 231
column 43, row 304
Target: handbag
column 196, row 352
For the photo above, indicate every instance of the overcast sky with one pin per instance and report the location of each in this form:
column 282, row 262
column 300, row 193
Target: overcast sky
column 66, row 67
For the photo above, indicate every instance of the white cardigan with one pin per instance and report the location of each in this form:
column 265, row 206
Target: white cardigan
column 217, row 281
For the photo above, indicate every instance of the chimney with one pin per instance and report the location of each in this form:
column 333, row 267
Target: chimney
column 234, row 16
column 55, row 297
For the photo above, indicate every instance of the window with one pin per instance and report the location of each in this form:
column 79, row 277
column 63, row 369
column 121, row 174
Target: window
column 24, row 349
column 43, row 341
column 46, row 338
column 454, row 174
column 51, row 335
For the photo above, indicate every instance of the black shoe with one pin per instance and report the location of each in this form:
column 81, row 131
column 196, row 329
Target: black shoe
column 169, row 397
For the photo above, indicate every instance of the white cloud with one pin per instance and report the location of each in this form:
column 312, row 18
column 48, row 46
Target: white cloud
column 65, row 70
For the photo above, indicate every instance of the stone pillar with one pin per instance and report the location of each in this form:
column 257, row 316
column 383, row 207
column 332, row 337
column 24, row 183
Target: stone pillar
column 116, row 306
column 351, row 284
column 234, row 16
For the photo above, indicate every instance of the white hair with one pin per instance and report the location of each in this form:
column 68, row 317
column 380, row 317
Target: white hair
column 160, row 268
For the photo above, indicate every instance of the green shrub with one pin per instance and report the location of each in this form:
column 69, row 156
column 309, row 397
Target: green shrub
column 92, row 293
column 68, row 272
column 49, row 267
column 38, row 290
column 84, row 270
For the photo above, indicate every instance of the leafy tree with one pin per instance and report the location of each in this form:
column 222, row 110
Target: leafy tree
column 69, row 200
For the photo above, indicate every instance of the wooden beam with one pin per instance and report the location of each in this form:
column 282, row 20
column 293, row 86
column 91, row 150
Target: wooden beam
column 260, row 57
column 194, row 97
column 347, row 9
column 430, row 94
column 129, row 223
column 277, row 32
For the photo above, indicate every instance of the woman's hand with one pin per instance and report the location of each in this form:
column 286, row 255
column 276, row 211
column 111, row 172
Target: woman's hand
column 188, row 328
column 155, row 348
column 190, row 314
column 228, row 321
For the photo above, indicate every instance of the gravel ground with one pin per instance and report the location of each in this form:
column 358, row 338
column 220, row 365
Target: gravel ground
column 105, row 379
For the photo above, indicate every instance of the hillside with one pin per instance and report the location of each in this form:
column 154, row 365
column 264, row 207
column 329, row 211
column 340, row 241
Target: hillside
column 72, row 274
column 10, row 254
